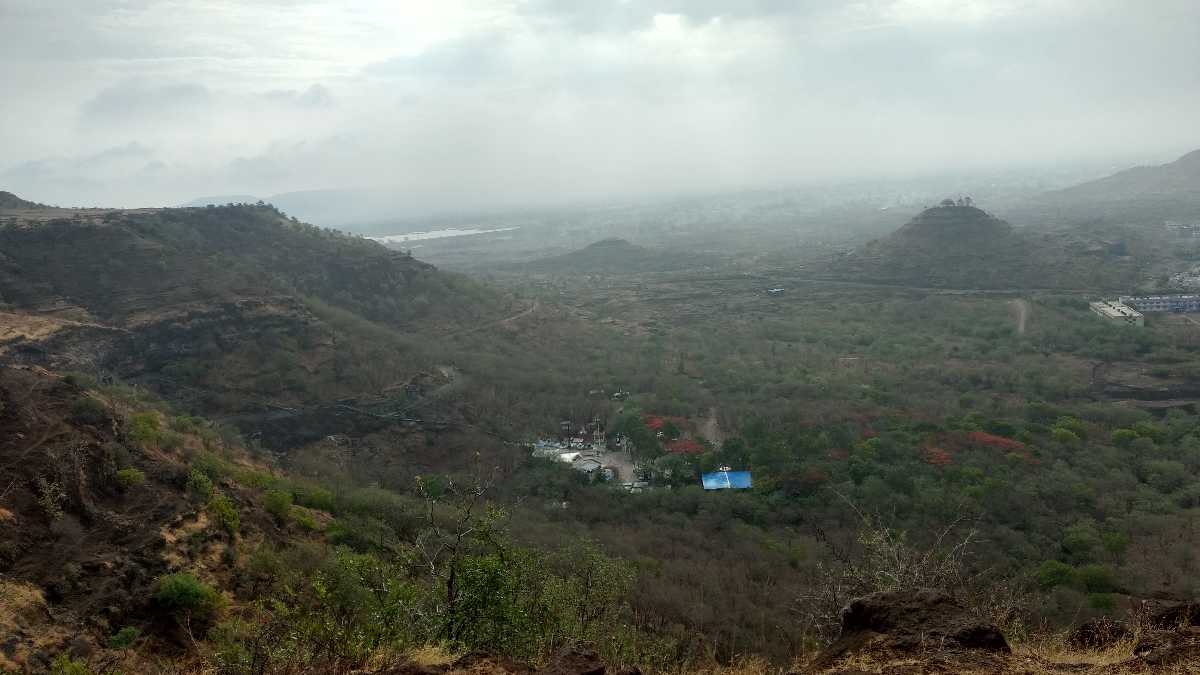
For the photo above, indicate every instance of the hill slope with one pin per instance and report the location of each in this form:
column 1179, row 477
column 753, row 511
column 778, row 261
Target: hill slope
column 1145, row 194
column 10, row 201
column 227, row 310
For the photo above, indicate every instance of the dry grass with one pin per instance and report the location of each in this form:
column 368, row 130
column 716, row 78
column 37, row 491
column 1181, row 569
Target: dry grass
column 1054, row 649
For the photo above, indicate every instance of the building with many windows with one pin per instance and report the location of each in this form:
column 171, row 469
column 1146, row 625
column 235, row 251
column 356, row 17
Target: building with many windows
column 1162, row 303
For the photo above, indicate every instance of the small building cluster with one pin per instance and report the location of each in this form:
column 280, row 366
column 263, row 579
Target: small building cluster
column 584, row 449
column 1116, row 311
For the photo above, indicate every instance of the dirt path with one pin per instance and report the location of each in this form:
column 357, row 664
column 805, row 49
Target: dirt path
column 521, row 314
column 1021, row 308
column 711, row 429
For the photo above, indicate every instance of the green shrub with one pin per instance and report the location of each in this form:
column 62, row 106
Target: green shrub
column 278, row 503
column 315, row 498
column 171, row 440
column 185, row 596
column 225, row 513
column 199, row 484
column 65, row 665
column 51, row 497
column 81, row 380
column 144, row 428
column 87, row 410
column 124, row 638
column 1064, row 436
column 1122, row 438
column 130, row 477
column 305, row 520
column 1102, row 601
column 1096, row 579
column 210, row 465
column 1054, row 573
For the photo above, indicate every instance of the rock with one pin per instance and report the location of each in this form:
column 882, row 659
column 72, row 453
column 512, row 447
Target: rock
column 80, row 648
column 910, row 621
column 1098, row 633
column 1167, row 649
column 1172, row 615
column 575, row 661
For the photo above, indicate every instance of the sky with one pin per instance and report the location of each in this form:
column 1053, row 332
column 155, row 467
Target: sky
column 456, row 102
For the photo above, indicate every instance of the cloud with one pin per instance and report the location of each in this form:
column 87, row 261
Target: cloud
column 528, row 100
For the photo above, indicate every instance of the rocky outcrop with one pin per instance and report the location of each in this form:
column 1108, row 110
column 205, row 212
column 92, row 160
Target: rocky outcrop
column 918, row 621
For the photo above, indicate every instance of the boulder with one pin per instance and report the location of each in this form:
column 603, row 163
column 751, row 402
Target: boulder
column 911, row 621
column 1098, row 633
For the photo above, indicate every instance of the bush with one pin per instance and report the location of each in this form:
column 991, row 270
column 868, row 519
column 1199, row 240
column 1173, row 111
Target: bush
column 199, row 484
column 51, row 497
column 144, row 428
column 305, row 520
column 124, row 638
column 130, row 477
column 1096, row 579
column 87, row 410
column 315, row 498
column 225, row 513
column 65, row 665
column 1054, row 573
column 185, row 596
column 1064, row 436
column 279, row 504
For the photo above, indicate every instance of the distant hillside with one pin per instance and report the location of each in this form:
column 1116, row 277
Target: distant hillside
column 10, row 201
column 612, row 256
column 1145, row 194
column 957, row 246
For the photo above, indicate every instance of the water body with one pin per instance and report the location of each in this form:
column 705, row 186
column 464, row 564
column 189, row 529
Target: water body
column 437, row 234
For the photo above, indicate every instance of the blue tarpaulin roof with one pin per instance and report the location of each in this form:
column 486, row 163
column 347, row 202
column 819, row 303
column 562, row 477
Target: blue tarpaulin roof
column 725, row 480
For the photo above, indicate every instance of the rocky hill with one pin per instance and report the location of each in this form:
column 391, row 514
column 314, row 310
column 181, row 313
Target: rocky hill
column 953, row 245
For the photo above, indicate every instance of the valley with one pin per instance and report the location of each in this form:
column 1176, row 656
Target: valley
column 306, row 408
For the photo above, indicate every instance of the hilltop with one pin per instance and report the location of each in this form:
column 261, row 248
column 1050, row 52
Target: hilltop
column 10, row 201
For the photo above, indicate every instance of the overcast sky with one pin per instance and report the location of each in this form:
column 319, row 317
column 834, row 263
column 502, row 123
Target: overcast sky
column 128, row 102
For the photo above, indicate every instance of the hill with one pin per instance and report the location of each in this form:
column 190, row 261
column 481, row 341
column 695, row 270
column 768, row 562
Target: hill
column 611, row 256
column 1144, row 195
column 226, row 310
column 10, row 201
column 102, row 501
column 961, row 246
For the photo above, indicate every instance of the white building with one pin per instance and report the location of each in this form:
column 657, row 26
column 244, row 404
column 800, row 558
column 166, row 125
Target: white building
column 1117, row 312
